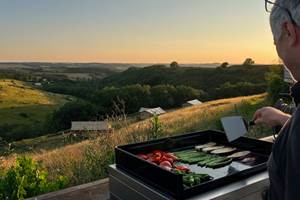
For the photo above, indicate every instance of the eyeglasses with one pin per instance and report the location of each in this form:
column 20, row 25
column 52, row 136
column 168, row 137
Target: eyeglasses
column 271, row 4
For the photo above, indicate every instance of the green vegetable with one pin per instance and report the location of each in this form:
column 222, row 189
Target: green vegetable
column 191, row 179
column 202, row 159
column 220, row 164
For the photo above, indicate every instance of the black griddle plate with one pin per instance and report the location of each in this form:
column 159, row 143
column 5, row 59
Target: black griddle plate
column 172, row 184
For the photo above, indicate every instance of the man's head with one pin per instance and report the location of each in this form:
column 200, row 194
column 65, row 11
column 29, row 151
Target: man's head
column 285, row 25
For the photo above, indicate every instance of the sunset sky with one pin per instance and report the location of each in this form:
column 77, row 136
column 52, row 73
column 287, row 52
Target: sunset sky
column 135, row 31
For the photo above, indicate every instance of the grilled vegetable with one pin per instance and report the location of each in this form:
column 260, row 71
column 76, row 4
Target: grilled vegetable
column 223, row 151
column 209, row 159
column 191, row 179
column 214, row 165
column 209, row 149
column 202, row 146
column 202, row 159
column 142, row 156
column 182, row 168
column 249, row 161
column 166, row 165
column 161, row 158
column 239, row 155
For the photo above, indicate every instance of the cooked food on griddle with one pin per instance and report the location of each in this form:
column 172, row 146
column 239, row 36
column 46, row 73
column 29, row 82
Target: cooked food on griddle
column 168, row 161
column 225, row 150
column 239, row 155
column 249, row 160
column 202, row 146
column 190, row 156
column 215, row 162
column 163, row 159
column 191, row 179
column 202, row 159
column 209, row 149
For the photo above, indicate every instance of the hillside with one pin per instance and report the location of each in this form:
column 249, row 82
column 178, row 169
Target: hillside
column 24, row 109
column 209, row 80
column 87, row 160
column 59, row 71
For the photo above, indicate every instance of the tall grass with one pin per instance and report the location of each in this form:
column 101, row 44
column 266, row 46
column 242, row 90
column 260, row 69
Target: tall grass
column 88, row 160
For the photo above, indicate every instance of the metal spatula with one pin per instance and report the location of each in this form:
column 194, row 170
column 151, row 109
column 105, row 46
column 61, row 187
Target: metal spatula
column 235, row 127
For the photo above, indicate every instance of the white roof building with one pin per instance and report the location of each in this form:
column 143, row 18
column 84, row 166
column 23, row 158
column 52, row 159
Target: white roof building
column 38, row 84
column 149, row 112
column 192, row 103
column 90, row 126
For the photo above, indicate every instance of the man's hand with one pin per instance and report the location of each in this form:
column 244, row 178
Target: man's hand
column 270, row 116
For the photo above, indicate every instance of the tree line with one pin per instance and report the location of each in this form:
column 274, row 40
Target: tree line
column 127, row 99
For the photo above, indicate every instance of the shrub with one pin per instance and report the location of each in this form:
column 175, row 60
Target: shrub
column 26, row 179
column 156, row 128
column 276, row 85
column 24, row 115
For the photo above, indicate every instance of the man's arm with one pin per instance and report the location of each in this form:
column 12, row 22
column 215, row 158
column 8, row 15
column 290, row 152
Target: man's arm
column 270, row 116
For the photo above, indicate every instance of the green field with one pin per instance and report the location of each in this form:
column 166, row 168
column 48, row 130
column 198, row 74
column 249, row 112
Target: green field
column 24, row 109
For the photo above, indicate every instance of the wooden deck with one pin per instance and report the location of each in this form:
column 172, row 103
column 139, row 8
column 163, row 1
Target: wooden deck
column 98, row 190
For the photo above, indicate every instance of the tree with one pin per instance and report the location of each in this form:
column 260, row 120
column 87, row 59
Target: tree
column 186, row 93
column 174, row 64
column 248, row 61
column 228, row 89
column 72, row 111
column 129, row 98
column 276, row 84
column 224, row 65
column 163, row 96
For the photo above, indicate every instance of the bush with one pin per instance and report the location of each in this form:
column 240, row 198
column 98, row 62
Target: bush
column 26, row 179
column 276, row 85
column 156, row 128
column 24, row 115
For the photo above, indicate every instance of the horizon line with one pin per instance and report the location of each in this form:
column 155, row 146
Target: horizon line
column 151, row 63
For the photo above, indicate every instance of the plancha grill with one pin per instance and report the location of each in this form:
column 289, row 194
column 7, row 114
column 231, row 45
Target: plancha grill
column 171, row 184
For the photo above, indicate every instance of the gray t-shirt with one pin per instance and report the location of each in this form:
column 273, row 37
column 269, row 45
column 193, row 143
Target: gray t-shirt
column 284, row 162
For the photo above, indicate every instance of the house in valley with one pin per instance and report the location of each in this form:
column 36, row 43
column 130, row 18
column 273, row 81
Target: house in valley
column 192, row 103
column 145, row 113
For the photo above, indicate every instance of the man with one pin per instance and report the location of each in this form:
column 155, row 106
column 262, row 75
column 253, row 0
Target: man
column 284, row 162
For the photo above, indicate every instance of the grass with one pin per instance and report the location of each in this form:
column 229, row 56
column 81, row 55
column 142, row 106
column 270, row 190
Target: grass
column 88, row 160
column 24, row 108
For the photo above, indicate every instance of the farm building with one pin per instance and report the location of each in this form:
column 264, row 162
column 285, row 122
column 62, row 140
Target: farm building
column 38, row 84
column 192, row 103
column 150, row 112
column 102, row 126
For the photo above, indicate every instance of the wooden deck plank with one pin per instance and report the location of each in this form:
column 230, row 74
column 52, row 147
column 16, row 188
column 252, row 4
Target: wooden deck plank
column 97, row 190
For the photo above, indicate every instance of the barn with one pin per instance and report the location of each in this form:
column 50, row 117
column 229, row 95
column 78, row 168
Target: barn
column 192, row 103
column 145, row 113
column 102, row 126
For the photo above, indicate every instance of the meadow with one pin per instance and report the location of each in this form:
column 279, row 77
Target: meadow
column 24, row 108
column 87, row 160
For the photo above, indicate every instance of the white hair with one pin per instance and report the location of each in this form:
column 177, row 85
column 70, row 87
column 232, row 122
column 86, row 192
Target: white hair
column 279, row 15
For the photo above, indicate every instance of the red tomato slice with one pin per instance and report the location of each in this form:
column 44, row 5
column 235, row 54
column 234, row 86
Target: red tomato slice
column 171, row 155
column 182, row 168
column 165, row 164
column 142, row 156
column 164, row 158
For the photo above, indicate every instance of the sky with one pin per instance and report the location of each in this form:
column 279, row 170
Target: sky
column 135, row 31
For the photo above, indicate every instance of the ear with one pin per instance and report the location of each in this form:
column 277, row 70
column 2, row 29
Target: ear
column 290, row 32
